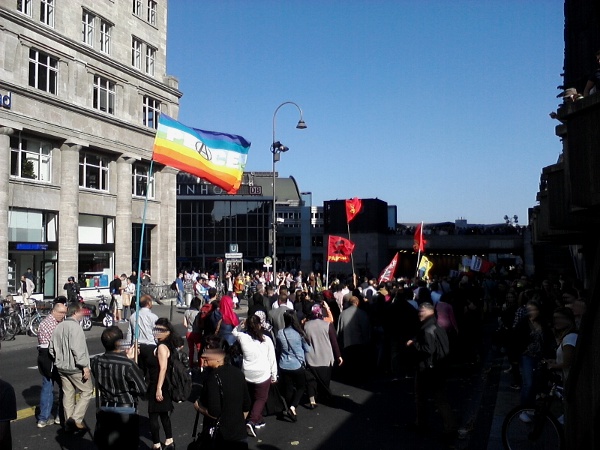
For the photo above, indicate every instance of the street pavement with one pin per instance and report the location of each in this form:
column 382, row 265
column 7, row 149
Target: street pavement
column 373, row 415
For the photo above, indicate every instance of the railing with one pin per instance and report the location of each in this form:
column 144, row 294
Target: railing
column 158, row 291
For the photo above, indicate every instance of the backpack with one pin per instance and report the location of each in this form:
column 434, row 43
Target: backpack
column 442, row 346
column 174, row 286
column 199, row 321
column 180, row 380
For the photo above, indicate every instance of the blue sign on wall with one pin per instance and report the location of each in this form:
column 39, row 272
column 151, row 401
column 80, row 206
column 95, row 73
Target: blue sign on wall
column 26, row 246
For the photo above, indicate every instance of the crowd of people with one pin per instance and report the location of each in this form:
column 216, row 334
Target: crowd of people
column 298, row 334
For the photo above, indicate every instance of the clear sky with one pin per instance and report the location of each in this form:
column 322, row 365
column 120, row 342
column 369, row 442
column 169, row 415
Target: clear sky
column 438, row 107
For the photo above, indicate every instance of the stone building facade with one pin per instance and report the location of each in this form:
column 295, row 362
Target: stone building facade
column 82, row 84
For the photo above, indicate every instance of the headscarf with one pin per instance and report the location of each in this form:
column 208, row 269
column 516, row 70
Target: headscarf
column 316, row 312
column 226, row 307
column 263, row 320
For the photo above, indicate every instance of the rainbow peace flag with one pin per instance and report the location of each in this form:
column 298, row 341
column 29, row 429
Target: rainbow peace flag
column 219, row 158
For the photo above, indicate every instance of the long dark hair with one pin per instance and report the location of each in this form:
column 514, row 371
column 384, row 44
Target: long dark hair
column 173, row 341
column 254, row 328
column 291, row 320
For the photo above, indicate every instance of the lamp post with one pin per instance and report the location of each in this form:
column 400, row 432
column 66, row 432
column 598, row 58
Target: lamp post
column 276, row 149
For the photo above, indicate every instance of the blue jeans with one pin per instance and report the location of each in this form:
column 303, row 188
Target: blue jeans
column 180, row 299
column 528, row 365
column 119, row 409
column 46, row 399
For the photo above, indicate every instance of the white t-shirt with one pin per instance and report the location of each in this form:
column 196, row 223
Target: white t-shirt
column 569, row 339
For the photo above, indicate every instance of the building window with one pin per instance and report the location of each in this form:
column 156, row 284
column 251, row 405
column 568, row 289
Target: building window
column 93, row 171
column 136, row 53
column 104, row 95
column 150, row 57
column 43, row 71
column 30, row 158
column 152, row 12
column 105, row 29
column 137, row 7
column 141, row 182
column 151, row 111
column 24, row 6
column 87, row 19
column 47, row 12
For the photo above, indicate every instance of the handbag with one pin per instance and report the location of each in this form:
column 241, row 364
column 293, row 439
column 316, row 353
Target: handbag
column 196, row 443
column 275, row 404
column 206, row 440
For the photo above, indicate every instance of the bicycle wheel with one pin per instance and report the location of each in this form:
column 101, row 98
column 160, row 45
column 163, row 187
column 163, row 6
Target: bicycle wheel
column 34, row 325
column 86, row 323
column 518, row 434
column 13, row 326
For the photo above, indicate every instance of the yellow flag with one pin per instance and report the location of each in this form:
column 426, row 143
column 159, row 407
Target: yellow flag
column 424, row 267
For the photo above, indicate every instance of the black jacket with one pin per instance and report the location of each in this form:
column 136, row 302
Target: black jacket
column 428, row 343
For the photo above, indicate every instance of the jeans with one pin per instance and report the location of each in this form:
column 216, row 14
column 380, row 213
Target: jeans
column 528, row 365
column 119, row 409
column 180, row 298
column 293, row 383
column 46, row 399
column 259, row 393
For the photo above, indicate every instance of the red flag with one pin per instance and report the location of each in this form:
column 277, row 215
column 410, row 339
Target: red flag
column 388, row 273
column 339, row 249
column 353, row 207
column 419, row 245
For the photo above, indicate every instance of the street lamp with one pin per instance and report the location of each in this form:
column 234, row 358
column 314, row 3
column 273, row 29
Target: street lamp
column 277, row 148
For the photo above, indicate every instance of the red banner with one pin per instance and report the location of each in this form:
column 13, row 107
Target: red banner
column 419, row 245
column 353, row 207
column 388, row 273
column 339, row 249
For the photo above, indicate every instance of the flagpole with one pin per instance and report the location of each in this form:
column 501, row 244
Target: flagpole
column 139, row 272
column 352, row 260
column 419, row 253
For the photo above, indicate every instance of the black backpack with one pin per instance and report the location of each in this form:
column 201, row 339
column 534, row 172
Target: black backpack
column 442, row 346
column 200, row 320
column 179, row 377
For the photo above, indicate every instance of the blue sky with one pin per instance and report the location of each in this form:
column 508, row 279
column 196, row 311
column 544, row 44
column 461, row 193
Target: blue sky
column 438, row 107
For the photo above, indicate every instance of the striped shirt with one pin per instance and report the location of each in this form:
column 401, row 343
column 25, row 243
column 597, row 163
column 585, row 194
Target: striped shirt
column 119, row 379
column 47, row 327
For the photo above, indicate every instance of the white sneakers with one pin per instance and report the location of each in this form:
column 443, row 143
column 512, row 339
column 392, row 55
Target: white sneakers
column 526, row 417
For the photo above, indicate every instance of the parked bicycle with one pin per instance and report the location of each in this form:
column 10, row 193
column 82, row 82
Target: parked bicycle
column 24, row 319
column 536, row 428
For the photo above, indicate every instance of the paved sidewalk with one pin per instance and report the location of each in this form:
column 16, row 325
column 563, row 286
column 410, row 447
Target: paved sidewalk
column 506, row 399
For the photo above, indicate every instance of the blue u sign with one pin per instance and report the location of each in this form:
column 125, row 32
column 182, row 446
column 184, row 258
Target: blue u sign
column 6, row 100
